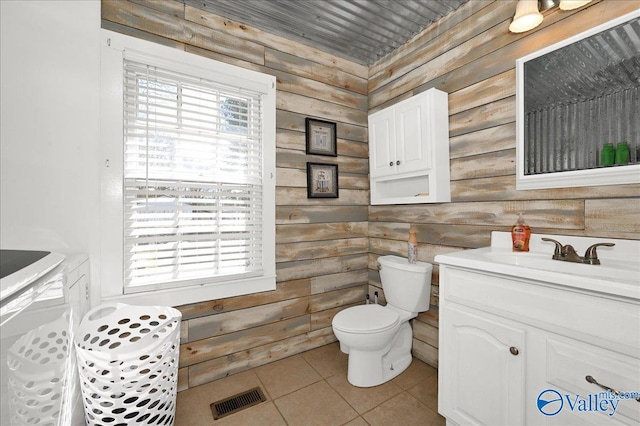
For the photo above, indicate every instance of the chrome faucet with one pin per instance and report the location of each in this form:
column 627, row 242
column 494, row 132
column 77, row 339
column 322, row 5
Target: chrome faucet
column 568, row 254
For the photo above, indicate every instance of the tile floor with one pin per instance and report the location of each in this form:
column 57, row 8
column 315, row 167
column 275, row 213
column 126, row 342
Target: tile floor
column 311, row 388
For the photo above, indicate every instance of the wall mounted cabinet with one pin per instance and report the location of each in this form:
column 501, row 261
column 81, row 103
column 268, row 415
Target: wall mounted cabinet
column 409, row 151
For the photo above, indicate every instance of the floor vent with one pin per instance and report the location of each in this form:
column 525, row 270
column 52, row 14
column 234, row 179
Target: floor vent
column 236, row 403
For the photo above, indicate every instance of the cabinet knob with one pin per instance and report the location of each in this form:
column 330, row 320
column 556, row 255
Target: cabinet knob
column 514, row 350
column 391, row 163
column 398, row 163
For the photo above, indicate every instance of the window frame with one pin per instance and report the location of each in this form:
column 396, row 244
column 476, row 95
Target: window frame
column 114, row 47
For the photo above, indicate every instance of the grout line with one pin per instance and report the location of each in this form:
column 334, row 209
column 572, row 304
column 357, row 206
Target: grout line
column 344, row 399
column 423, row 404
column 310, row 365
column 279, row 412
column 262, row 385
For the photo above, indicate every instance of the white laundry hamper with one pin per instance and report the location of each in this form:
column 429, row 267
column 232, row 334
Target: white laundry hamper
column 42, row 377
column 128, row 364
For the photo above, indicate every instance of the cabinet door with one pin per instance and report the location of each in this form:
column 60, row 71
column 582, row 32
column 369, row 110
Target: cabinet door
column 481, row 367
column 382, row 143
column 412, row 135
column 566, row 382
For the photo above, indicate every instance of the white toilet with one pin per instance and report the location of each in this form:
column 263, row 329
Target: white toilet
column 378, row 339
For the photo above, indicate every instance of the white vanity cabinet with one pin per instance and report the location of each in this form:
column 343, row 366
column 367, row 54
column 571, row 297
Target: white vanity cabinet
column 409, row 151
column 516, row 350
column 528, row 340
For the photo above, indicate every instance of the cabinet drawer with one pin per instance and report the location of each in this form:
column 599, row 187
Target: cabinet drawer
column 569, row 362
column 611, row 324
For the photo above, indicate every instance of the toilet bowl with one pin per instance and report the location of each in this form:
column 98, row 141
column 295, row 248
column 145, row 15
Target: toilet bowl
column 378, row 338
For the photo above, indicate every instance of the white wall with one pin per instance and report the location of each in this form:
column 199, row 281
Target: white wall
column 49, row 144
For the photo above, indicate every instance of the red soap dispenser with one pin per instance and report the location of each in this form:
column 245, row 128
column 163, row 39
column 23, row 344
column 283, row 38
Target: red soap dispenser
column 520, row 235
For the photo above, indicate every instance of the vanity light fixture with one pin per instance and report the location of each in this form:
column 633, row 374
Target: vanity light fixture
column 528, row 14
column 572, row 4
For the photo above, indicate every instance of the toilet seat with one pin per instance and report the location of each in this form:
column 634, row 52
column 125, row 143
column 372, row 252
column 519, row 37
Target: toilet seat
column 366, row 319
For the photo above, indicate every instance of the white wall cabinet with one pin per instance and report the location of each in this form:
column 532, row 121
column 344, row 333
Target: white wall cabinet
column 519, row 351
column 409, row 151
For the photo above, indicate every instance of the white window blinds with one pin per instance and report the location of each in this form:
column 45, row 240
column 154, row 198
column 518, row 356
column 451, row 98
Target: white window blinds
column 192, row 179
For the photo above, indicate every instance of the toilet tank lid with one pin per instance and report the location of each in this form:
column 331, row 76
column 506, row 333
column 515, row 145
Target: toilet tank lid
column 403, row 263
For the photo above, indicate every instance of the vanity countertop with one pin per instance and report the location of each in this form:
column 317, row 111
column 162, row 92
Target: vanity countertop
column 617, row 275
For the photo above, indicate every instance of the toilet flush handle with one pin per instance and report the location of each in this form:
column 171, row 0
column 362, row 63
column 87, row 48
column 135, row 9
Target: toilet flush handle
column 379, row 266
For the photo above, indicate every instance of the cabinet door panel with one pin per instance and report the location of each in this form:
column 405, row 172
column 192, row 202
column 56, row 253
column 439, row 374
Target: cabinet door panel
column 382, row 143
column 412, row 142
column 485, row 380
column 568, row 363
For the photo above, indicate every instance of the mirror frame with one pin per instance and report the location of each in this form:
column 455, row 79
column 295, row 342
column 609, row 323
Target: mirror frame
column 619, row 175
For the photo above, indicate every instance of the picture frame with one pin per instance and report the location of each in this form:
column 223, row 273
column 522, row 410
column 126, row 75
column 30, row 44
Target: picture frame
column 322, row 180
column 321, row 137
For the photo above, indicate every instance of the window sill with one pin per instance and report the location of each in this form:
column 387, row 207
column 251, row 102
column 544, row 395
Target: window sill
column 198, row 293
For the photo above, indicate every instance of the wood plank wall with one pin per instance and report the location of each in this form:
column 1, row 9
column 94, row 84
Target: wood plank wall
column 321, row 245
column 327, row 249
column 471, row 55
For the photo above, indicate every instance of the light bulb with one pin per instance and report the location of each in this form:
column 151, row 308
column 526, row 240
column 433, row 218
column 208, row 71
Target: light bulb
column 572, row 4
column 527, row 16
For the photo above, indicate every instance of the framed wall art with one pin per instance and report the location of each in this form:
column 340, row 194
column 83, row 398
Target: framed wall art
column 321, row 137
column 322, row 180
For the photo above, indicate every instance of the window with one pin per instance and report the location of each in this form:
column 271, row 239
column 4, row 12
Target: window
column 194, row 160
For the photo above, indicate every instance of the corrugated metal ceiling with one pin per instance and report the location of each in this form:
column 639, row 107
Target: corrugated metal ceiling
column 360, row 30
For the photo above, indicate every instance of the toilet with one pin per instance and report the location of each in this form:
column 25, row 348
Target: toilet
column 378, row 338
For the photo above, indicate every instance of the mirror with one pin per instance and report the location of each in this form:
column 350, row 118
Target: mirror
column 572, row 99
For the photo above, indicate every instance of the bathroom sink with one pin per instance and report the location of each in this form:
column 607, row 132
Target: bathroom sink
column 618, row 273
column 608, row 269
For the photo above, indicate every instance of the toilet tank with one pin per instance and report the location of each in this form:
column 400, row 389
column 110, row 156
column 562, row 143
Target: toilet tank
column 406, row 285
